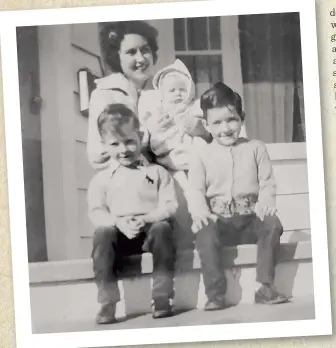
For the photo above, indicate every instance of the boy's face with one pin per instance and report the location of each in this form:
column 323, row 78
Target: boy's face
column 224, row 124
column 125, row 145
column 174, row 90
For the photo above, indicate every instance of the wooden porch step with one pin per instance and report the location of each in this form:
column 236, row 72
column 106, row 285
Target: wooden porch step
column 186, row 260
column 69, row 283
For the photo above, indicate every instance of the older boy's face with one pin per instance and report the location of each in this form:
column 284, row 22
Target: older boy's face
column 125, row 145
column 224, row 124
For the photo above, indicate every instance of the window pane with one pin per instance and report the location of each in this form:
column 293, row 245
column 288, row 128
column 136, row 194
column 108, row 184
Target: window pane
column 216, row 70
column 197, row 33
column 205, row 70
column 202, row 75
column 189, row 62
column 179, row 34
column 215, row 37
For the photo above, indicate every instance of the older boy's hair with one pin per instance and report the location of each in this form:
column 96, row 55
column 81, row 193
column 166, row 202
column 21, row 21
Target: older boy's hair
column 221, row 95
column 114, row 117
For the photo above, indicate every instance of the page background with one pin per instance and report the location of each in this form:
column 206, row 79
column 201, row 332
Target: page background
column 323, row 7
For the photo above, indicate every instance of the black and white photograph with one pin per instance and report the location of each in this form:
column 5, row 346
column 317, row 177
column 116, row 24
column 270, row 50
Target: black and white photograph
column 165, row 173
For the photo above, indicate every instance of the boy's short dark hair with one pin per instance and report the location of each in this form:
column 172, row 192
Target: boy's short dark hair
column 113, row 117
column 221, row 95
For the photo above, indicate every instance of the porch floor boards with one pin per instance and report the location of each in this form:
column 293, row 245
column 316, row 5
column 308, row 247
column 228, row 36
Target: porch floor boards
column 299, row 309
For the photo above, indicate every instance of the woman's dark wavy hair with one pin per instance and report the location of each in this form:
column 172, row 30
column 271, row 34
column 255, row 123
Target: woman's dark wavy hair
column 112, row 33
column 221, row 95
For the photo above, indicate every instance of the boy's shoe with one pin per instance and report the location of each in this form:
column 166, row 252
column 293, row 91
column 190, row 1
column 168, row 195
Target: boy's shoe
column 269, row 295
column 161, row 308
column 214, row 305
column 106, row 314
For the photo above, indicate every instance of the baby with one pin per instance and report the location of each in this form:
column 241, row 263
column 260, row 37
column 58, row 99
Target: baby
column 167, row 119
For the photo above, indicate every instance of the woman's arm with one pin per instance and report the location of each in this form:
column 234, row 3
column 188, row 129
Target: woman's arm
column 97, row 156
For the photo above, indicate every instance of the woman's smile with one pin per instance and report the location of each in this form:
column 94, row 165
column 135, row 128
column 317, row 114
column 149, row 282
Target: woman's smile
column 136, row 58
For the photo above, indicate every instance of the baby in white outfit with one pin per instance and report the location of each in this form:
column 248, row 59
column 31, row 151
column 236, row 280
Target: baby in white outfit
column 166, row 120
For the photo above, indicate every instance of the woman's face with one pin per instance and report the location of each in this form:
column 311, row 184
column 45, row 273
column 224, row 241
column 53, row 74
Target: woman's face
column 136, row 58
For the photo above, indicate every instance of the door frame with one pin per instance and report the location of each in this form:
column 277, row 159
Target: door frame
column 58, row 142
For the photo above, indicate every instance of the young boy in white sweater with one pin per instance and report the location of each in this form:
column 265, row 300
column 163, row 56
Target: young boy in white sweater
column 131, row 204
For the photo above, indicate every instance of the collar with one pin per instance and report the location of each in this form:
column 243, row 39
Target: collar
column 142, row 165
column 118, row 81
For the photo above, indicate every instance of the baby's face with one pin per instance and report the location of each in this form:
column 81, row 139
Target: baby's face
column 174, row 90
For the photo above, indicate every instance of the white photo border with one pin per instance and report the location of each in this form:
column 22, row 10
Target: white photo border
column 321, row 325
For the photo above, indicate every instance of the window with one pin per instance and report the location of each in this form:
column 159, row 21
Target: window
column 259, row 56
column 198, row 45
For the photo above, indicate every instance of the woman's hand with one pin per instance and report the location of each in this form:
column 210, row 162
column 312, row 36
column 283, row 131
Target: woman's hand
column 195, row 127
column 194, row 123
column 164, row 122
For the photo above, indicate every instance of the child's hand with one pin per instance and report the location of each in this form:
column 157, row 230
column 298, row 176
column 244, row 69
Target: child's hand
column 262, row 211
column 202, row 219
column 137, row 222
column 127, row 227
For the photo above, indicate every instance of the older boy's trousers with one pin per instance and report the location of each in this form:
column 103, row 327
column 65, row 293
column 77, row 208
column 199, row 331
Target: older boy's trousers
column 240, row 229
column 110, row 247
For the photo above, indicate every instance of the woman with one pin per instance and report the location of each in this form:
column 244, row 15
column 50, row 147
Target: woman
column 130, row 53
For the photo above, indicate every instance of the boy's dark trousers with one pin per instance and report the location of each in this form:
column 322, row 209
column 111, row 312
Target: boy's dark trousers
column 110, row 247
column 239, row 229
